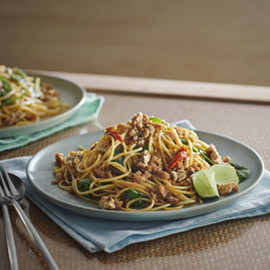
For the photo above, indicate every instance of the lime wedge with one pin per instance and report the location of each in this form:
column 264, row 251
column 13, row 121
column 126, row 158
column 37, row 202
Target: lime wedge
column 205, row 184
column 224, row 174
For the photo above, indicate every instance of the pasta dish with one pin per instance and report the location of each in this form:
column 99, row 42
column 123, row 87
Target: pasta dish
column 25, row 100
column 142, row 165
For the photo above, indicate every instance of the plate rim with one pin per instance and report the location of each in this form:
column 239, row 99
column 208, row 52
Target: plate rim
column 47, row 122
column 148, row 216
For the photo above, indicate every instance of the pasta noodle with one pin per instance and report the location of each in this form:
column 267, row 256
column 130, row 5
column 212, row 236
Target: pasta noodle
column 142, row 165
column 25, row 100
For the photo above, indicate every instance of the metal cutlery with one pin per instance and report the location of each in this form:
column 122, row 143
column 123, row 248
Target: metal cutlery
column 10, row 194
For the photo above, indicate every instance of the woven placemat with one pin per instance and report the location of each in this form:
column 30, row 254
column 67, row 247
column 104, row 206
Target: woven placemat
column 237, row 244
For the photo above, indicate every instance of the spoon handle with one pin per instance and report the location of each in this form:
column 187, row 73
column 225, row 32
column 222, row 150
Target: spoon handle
column 35, row 236
column 11, row 247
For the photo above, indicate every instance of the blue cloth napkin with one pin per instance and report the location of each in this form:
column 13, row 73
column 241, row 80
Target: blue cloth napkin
column 98, row 234
column 88, row 111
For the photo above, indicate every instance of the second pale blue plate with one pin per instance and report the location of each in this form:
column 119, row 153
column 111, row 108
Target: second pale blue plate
column 71, row 93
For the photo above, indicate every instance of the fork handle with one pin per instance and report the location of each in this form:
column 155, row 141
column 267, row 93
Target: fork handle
column 11, row 247
column 35, row 236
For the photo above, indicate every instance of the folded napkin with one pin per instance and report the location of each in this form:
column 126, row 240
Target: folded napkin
column 88, row 111
column 98, row 234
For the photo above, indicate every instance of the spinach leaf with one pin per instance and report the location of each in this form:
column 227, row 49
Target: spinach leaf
column 19, row 72
column 145, row 147
column 119, row 160
column 157, row 120
column 184, row 141
column 17, row 78
column 84, row 186
column 241, row 171
column 6, row 86
column 200, row 150
column 11, row 100
column 133, row 194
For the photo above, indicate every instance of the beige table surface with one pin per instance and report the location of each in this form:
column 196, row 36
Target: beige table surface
column 237, row 244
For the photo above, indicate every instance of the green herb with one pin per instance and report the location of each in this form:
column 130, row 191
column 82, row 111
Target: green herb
column 145, row 147
column 17, row 78
column 241, row 171
column 157, row 120
column 19, row 72
column 200, row 150
column 6, row 86
column 133, row 194
column 12, row 100
column 119, row 160
column 84, row 185
column 184, row 141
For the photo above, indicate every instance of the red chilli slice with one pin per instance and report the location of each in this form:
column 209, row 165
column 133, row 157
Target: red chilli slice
column 181, row 154
column 116, row 136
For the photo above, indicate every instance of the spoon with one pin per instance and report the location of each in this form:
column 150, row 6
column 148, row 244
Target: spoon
column 21, row 189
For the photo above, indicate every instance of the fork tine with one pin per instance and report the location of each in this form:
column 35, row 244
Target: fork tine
column 11, row 246
column 5, row 191
column 10, row 184
column 2, row 195
column 27, row 223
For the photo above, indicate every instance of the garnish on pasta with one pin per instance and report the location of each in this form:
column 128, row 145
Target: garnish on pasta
column 25, row 100
column 142, row 165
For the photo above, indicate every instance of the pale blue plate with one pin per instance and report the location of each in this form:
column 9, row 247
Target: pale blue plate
column 71, row 93
column 41, row 166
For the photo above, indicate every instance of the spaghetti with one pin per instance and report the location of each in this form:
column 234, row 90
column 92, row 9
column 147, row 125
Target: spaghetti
column 25, row 100
column 142, row 165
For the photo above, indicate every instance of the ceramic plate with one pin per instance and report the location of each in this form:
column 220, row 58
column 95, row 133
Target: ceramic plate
column 40, row 175
column 71, row 93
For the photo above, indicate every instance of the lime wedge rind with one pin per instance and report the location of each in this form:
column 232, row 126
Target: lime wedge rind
column 224, row 174
column 205, row 184
column 206, row 181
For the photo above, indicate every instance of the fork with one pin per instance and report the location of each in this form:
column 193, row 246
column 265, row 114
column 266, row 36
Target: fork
column 11, row 247
column 11, row 194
